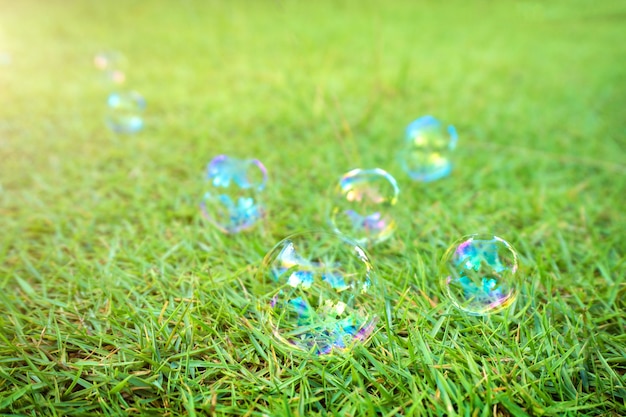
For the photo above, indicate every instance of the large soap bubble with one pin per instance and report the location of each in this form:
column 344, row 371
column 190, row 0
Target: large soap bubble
column 479, row 274
column 319, row 293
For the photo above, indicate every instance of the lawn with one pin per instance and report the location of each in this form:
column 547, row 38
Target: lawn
column 117, row 298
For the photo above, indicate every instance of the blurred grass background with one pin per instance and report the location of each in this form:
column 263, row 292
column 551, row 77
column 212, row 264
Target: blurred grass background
column 118, row 299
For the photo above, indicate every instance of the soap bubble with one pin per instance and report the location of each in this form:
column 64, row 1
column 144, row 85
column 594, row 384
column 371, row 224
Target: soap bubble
column 115, row 77
column 112, row 65
column 231, row 201
column 362, row 204
column 125, row 112
column 478, row 274
column 106, row 60
column 428, row 146
column 319, row 293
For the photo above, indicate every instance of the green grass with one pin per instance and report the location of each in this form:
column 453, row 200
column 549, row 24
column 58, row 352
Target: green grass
column 116, row 298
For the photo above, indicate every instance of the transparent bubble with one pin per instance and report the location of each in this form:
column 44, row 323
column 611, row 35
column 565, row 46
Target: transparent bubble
column 106, row 60
column 125, row 112
column 428, row 146
column 362, row 204
column 112, row 65
column 114, row 77
column 478, row 274
column 232, row 198
column 319, row 293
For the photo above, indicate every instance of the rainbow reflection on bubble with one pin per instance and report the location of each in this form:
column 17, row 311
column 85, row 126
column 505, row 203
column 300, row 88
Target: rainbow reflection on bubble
column 362, row 204
column 125, row 112
column 112, row 64
column 231, row 200
column 318, row 293
column 428, row 146
column 478, row 274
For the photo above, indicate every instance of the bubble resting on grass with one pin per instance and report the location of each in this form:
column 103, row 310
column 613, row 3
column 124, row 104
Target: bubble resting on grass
column 125, row 112
column 427, row 149
column 231, row 201
column 478, row 274
column 318, row 293
column 361, row 205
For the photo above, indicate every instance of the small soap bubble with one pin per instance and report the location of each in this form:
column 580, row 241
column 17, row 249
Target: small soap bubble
column 232, row 197
column 318, row 293
column 479, row 274
column 112, row 65
column 362, row 205
column 428, row 146
column 115, row 77
column 125, row 112
column 106, row 60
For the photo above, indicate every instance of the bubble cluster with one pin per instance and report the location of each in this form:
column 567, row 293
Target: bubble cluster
column 232, row 197
column 112, row 65
column 362, row 205
column 478, row 274
column 125, row 112
column 428, row 146
column 319, row 293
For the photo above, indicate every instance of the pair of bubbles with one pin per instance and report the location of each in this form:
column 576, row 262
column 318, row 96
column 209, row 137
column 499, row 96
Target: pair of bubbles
column 125, row 108
column 318, row 291
column 364, row 199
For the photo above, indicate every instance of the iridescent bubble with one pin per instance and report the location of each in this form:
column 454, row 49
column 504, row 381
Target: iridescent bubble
column 362, row 204
column 115, row 77
column 318, row 293
column 478, row 274
column 232, row 199
column 125, row 112
column 428, row 146
column 105, row 60
column 112, row 65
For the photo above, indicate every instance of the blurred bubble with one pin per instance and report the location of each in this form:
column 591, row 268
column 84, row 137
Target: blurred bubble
column 428, row 146
column 479, row 274
column 362, row 203
column 112, row 65
column 232, row 198
column 115, row 77
column 109, row 60
column 125, row 112
column 319, row 293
